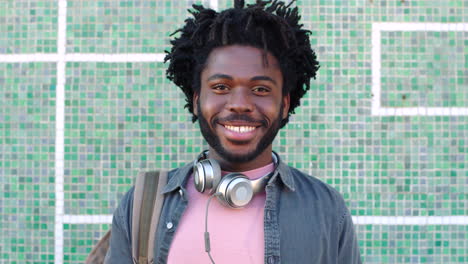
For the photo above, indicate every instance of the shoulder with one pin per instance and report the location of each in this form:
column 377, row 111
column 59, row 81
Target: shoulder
column 124, row 210
column 321, row 195
column 315, row 187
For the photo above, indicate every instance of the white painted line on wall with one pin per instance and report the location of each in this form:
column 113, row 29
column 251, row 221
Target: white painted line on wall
column 376, row 65
column 214, row 4
column 420, row 111
column 87, row 219
column 127, row 57
column 410, row 220
column 83, row 57
column 34, row 57
column 421, row 26
column 59, row 130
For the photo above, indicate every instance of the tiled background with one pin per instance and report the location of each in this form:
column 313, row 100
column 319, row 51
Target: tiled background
column 389, row 131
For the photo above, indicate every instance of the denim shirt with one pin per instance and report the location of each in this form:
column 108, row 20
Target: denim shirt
column 305, row 221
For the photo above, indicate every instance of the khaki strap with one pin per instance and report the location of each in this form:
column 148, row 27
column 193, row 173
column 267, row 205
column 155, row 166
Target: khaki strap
column 99, row 251
column 147, row 204
column 158, row 203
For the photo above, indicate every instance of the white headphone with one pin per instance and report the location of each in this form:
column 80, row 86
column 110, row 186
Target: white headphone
column 235, row 189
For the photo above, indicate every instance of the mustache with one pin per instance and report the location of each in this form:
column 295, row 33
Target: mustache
column 240, row 117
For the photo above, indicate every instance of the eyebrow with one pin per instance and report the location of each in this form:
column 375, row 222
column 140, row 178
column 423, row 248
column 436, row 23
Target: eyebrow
column 263, row 78
column 255, row 78
column 219, row 76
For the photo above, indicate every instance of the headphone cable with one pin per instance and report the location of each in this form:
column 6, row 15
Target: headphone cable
column 207, row 234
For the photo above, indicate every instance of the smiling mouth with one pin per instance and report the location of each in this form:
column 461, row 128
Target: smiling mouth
column 240, row 129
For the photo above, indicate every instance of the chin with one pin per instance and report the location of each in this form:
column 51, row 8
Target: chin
column 238, row 155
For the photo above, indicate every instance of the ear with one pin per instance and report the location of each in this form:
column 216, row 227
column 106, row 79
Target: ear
column 286, row 104
column 195, row 103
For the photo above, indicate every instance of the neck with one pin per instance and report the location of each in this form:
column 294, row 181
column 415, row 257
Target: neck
column 261, row 160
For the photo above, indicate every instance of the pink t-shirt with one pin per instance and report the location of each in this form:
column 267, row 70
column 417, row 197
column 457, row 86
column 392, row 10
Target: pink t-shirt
column 236, row 235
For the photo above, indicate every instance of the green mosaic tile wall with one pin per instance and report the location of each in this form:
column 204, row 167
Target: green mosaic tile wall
column 79, row 238
column 121, row 26
column 425, row 69
column 28, row 27
column 118, row 122
column 27, row 145
column 122, row 117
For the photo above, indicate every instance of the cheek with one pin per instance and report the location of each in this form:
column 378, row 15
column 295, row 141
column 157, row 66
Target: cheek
column 209, row 105
column 270, row 109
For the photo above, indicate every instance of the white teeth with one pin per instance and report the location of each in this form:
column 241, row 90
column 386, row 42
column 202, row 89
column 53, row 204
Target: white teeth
column 240, row 129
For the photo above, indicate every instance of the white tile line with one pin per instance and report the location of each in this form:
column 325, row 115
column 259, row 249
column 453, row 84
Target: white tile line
column 87, row 219
column 420, row 111
column 126, row 57
column 59, row 131
column 358, row 220
column 421, row 26
column 33, row 57
column 214, row 4
column 410, row 220
column 375, row 64
column 376, row 108
column 83, row 57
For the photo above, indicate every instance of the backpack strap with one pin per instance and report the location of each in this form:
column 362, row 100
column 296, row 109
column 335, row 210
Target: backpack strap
column 147, row 204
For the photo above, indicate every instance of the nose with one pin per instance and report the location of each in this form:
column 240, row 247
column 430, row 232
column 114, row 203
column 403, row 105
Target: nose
column 240, row 101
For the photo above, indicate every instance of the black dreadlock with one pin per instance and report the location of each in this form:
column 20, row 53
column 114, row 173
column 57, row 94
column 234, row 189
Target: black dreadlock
column 269, row 25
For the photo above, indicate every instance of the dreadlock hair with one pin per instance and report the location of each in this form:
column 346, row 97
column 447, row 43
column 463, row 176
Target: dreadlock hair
column 272, row 26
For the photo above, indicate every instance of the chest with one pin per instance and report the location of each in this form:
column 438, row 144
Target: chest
column 281, row 227
column 236, row 235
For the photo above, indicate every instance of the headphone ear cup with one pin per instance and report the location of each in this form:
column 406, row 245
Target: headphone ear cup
column 206, row 175
column 236, row 190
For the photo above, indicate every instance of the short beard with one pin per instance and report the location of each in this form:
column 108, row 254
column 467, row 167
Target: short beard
column 215, row 143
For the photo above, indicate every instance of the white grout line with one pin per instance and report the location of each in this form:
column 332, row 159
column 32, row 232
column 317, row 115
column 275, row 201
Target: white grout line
column 127, row 57
column 214, row 4
column 358, row 220
column 84, row 57
column 87, row 219
column 410, row 220
column 420, row 111
column 59, row 130
column 420, row 26
column 376, row 108
column 375, row 62
column 34, row 57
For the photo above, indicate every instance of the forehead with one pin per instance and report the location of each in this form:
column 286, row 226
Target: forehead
column 242, row 60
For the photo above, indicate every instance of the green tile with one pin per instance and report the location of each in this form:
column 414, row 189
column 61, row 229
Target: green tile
column 427, row 71
column 27, row 154
column 116, row 124
column 28, row 26
column 122, row 26
column 413, row 244
column 79, row 240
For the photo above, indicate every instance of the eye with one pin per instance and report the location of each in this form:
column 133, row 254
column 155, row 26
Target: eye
column 261, row 90
column 220, row 88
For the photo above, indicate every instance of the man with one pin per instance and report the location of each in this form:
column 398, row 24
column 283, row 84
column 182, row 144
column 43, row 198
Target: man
column 243, row 71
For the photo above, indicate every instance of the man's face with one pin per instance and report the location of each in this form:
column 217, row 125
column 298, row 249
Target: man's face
column 240, row 104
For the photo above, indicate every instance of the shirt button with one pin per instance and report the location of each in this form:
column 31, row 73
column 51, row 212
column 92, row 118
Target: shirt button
column 268, row 215
column 169, row 225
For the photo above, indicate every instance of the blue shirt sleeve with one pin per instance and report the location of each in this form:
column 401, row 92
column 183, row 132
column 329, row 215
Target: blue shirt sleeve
column 120, row 248
column 348, row 248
